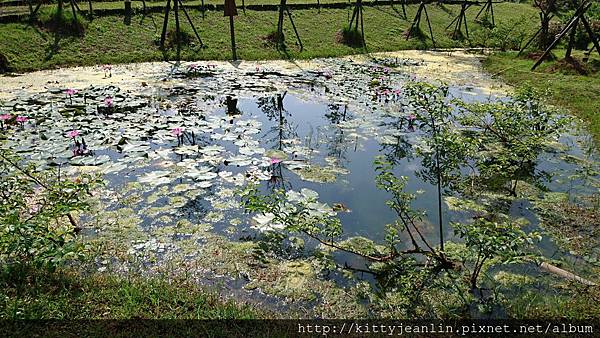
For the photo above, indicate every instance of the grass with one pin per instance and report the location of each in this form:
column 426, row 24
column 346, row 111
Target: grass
column 578, row 93
column 109, row 40
column 34, row 294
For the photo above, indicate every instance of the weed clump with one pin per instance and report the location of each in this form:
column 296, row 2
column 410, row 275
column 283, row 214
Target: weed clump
column 272, row 38
column 185, row 38
column 4, row 66
column 350, row 36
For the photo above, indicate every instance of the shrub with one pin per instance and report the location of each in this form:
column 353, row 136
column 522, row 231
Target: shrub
column 350, row 36
column 36, row 213
column 185, row 38
column 4, row 67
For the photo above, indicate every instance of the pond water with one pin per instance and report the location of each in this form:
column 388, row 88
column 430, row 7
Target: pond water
column 177, row 144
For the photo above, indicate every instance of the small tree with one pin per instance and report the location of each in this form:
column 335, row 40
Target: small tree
column 486, row 239
column 36, row 213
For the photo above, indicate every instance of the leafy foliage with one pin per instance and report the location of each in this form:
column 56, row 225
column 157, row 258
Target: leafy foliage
column 509, row 136
column 496, row 238
column 36, row 213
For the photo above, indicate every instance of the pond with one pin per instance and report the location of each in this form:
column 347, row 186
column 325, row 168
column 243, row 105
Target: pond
column 177, row 145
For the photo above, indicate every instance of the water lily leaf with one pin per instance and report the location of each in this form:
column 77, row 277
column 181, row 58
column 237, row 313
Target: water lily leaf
column 276, row 154
column 240, row 161
column 156, row 178
column 264, row 222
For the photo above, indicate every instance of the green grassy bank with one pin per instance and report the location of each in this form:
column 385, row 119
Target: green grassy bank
column 38, row 294
column 109, row 39
column 580, row 94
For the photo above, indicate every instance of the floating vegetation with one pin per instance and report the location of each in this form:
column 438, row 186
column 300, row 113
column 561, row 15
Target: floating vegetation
column 178, row 166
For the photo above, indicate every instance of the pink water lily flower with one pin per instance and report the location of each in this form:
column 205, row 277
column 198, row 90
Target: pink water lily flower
column 108, row 101
column 275, row 160
column 22, row 119
column 71, row 91
column 177, row 131
column 3, row 118
column 73, row 133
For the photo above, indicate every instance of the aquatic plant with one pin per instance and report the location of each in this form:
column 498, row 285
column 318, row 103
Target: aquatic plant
column 70, row 92
column 108, row 101
column 107, row 70
column 302, row 213
column 22, row 120
column 4, row 118
column 73, row 133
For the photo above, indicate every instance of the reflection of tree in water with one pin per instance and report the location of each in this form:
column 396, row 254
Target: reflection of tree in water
column 338, row 145
column 274, row 109
column 282, row 130
column 195, row 209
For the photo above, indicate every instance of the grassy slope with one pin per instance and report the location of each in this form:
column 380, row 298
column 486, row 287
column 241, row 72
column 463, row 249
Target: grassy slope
column 41, row 295
column 579, row 94
column 109, row 40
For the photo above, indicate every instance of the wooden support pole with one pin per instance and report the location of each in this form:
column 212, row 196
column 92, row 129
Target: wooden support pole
column 231, row 29
column 579, row 12
column 362, row 26
column 279, row 37
column 590, row 32
column 73, row 10
column 189, row 19
column 230, row 10
column 165, row 23
column 295, row 30
column 177, row 29
column 429, row 24
column 571, row 39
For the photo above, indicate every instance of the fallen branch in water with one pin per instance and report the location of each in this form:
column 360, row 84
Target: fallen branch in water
column 565, row 274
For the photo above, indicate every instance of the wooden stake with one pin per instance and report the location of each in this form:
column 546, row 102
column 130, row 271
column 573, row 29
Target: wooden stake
column 232, row 31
